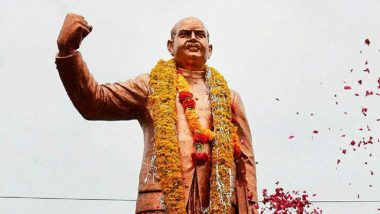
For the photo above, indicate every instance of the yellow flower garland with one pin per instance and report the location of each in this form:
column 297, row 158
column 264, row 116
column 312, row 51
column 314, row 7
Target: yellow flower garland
column 163, row 85
column 164, row 81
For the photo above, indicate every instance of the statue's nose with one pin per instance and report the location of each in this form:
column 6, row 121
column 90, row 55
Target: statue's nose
column 193, row 35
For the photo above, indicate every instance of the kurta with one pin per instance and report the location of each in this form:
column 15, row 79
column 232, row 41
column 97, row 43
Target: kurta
column 130, row 100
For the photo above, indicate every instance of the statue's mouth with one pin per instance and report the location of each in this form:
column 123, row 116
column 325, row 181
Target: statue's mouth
column 193, row 46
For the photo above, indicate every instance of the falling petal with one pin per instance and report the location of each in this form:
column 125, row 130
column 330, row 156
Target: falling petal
column 357, row 94
column 367, row 42
column 338, row 161
column 360, row 82
column 371, row 172
column 347, row 87
column 315, row 132
column 368, row 93
column 364, row 111
column 291, row 137
column 367, row 70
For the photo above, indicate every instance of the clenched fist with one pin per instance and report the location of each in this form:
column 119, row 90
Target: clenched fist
column 74, row 29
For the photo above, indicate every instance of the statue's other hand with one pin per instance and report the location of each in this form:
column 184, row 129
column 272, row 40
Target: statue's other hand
column 74, row 29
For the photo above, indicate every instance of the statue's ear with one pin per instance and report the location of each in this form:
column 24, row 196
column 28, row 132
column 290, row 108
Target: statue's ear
column 209, row 51
column 170, row 47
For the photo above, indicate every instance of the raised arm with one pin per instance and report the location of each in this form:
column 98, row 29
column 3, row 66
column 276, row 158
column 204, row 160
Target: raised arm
column 248, row 157
column 118, row 101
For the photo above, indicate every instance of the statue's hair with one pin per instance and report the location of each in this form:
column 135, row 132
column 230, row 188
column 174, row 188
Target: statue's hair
column 174, row 28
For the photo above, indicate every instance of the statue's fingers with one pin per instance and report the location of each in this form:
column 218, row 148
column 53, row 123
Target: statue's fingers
column 84, row 30
column 85, row 24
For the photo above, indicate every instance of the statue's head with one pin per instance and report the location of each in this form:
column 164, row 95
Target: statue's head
column 189, row 44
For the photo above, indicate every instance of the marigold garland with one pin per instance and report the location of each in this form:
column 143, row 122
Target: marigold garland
column 164, row 82
column 222, row 181
column 163, row 85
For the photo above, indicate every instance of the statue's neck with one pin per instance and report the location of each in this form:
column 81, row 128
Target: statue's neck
column 190, row 73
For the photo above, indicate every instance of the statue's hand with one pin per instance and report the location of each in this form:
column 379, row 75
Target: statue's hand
column 74, row 29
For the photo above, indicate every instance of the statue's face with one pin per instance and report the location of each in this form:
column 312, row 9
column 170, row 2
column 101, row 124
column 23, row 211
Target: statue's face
column 190, row 45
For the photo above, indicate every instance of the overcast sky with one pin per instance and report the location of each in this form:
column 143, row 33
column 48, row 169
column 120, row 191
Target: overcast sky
column 282, row 57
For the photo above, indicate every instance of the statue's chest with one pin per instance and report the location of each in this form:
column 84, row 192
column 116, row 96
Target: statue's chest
column 202, row 103
column 201, row 98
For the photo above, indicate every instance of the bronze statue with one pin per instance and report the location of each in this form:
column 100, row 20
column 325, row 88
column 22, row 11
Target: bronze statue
column 198, row 155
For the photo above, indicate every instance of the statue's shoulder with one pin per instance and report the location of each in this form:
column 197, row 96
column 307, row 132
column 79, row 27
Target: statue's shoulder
column 233, row 94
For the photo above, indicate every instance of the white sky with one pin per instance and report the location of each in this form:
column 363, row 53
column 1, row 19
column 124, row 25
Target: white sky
column 298, row 52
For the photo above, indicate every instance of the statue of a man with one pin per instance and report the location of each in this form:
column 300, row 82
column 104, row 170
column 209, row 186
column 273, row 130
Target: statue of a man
column 198, row 155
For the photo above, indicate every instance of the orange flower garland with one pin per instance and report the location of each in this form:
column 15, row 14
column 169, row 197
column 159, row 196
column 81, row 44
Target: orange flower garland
column 163, row 86
column 201, row 135
column 164, row 83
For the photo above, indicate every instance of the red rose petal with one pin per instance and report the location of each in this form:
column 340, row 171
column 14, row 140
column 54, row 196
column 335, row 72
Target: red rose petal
column 347, row 87
column 364, row 111
column 315, row 132
column 360, row 82
column 368, row 93
column 367, row 70
column 367, row 42
column 291, row 137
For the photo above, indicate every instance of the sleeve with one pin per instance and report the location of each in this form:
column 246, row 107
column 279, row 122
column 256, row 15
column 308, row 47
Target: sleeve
column 117, row 101
column 247, row 158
